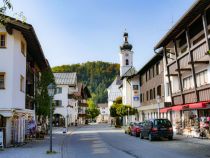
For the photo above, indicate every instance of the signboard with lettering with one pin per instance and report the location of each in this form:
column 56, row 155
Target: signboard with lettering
column 1, row 138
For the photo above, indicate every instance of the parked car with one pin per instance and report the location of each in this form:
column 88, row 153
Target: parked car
column 128, row 128
column 136, row 129
column 156, row 128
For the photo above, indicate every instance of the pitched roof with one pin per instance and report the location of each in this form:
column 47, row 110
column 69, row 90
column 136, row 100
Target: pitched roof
column 114, row 89
column 65, row 78
column 196, row 9
column 33, row 44
column 132, row 71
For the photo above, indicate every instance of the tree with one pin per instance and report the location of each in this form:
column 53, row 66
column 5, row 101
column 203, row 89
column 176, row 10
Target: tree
column 96, row 75
column 119, row 110
column 42, row 98
column 92, row 111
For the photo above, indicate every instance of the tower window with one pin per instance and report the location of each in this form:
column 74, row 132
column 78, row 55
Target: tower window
column 126, row 62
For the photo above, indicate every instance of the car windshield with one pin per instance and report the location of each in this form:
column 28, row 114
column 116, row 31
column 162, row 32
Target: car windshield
column 162, row 123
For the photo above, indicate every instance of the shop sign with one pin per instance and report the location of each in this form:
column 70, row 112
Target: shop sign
column 1, row 138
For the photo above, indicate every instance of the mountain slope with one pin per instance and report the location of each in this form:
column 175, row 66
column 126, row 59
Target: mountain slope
column 97, row 75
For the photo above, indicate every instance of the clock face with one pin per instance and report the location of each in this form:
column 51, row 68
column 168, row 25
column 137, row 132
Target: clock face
column 126, row 54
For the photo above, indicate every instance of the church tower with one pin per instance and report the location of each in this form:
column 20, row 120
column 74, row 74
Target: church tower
column 126, row 56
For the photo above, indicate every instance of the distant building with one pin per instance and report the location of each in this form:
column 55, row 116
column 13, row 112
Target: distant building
column 22, row 62
column 66, row 108
column 82, row 95
column 104, row 113
column 114, row 91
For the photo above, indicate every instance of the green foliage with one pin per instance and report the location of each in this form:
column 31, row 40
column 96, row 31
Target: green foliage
column 118, row 100
column 42, row 99
column 92, row 111
column 97, row 75
column 119, row 110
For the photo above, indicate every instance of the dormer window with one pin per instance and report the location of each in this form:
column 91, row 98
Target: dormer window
column 2, row 40
column 126, row 62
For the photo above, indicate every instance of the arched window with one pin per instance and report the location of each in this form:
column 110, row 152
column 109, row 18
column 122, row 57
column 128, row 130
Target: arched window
column 126, row 62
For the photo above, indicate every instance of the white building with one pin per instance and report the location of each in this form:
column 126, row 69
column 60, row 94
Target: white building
column 66, row 108
column 104, row 113
column 130, row 84
column 114, row 91
column 21, row 63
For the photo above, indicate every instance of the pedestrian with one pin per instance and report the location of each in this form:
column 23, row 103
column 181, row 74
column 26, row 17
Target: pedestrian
column 111, row 122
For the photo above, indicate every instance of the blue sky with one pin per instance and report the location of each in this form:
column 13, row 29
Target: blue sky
column 76, row 31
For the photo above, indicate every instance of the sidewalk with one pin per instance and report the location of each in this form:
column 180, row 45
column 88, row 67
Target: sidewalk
column 193, row 140
column 38, row 148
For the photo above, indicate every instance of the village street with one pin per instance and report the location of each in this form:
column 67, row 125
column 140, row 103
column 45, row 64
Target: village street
column 101, row 140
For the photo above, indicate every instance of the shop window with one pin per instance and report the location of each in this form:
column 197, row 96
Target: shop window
column 2, row 80
column 2, row 40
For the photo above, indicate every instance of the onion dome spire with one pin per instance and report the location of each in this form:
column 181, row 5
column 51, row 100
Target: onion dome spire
column 126, row 45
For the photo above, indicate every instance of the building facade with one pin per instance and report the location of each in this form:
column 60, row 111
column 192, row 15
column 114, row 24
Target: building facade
column 104, row 113
column 186, row 53
column 21, row 64
column 130, row 84
column 152, row 96
column 66, row 108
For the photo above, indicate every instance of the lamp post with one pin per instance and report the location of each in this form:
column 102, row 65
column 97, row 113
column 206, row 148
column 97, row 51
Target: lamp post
column 128, row 115
column 51, row 92
column 158, row 103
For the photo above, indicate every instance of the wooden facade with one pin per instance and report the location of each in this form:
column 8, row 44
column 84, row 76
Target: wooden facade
column 187, row 54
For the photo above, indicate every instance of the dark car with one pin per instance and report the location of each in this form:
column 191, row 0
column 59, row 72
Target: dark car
column 156, row 128
column 136, row 129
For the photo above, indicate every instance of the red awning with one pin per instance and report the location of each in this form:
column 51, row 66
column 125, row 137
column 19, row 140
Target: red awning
column 179, row 107
column 198, row 105
column 165, row 110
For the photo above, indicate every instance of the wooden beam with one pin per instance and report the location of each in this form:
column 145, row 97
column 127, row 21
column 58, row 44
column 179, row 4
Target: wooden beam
column 205, row 27
column 172, row 75
column 192, row 64
column 199, row 62
column 168, row 72
column 179, row 74
column 184, row 69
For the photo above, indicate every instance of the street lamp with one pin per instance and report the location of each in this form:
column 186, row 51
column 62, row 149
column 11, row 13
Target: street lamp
column 51, row 92
column 158, row 103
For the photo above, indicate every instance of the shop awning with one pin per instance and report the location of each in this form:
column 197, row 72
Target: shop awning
column 198, row 105
column 165, row 110
column 179, row 107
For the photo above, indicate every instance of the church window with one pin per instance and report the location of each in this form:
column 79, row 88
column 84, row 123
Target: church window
column 126, row 62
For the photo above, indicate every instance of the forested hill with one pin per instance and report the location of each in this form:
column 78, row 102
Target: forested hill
column 97, row 75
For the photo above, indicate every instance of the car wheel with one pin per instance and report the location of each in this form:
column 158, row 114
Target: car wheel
column 141, row 136
column 150, row 137
column 170, row 138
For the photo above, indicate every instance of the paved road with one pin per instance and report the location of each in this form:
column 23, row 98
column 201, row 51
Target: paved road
column 102, row 141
